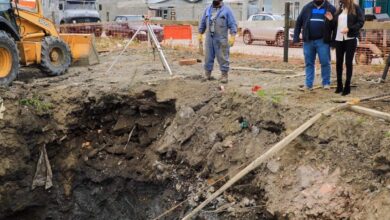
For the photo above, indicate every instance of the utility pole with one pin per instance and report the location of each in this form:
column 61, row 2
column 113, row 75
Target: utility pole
column 245, row 10
column 286, row 31
column 261, row 5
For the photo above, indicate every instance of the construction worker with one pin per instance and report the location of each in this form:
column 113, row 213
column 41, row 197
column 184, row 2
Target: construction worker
column 216, row 22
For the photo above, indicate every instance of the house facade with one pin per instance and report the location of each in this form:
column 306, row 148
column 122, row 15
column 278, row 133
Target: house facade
column 112, row 8
column 193, row 9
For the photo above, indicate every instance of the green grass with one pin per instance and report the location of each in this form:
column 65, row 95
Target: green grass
column 37, row 103
column 274, row 96
column 387, row 134
column 360, row 120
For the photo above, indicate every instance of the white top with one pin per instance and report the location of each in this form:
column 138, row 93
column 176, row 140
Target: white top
column 342, row 24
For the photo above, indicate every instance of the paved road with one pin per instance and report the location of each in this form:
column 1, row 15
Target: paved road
column 261, row 49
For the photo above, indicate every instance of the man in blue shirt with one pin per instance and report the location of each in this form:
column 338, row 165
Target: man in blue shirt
column 216, row 22
column 317, row 35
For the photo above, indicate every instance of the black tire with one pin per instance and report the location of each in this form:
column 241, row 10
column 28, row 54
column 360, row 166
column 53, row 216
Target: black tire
column 247, row 37
column 51, row 65
column 280, row 40
column 9, row 59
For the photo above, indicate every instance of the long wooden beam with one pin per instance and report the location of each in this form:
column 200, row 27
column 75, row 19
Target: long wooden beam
column 371, row 112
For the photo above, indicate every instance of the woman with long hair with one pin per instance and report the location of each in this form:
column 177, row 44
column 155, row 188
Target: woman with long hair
column 346, row 23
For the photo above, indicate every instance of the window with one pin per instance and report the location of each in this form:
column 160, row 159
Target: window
column 134, row 18
column 268, row 18
column 4, row 5
column 119, row 19
column 80, row 5
column 278, row 17
column 260, row 18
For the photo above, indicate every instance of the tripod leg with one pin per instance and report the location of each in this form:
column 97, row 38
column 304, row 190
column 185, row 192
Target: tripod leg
column 160, row 51
column 386, row 69
column 124, row 49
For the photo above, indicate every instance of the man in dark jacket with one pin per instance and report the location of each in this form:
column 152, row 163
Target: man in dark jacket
column 316, row 33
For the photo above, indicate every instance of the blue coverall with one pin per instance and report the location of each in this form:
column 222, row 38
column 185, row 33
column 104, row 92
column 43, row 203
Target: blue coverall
column 216, row 44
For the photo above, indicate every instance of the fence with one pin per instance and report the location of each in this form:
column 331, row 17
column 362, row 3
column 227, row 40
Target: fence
column 255, row 37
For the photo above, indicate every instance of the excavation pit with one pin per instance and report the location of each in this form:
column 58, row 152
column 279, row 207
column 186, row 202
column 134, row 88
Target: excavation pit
column 121, row 156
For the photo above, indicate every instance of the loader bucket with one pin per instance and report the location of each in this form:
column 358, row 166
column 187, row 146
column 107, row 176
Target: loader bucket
column 83, row 48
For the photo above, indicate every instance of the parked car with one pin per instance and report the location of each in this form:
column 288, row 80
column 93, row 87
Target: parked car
column 80, row 16
column 272, row 34
column 127, row 25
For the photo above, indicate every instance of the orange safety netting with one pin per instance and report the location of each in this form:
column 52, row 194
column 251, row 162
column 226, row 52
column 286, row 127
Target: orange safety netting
column 27, row 3
column 178, row 32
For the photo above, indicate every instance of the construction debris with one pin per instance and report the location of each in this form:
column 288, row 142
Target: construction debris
column 189, row 62
column 43, row 175
column 2, row 108
column 270, row 153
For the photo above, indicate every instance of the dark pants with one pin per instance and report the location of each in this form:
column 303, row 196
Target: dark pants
column 345, row 48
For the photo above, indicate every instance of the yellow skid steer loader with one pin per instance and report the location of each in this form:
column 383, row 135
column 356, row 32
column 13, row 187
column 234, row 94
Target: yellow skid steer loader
column 28, row 38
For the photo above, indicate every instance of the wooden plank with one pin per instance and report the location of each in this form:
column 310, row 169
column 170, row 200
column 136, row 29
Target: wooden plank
column 188, row 62
column 371, row 112
column 372, row 25
column 266, row 70
column 270, row 153
column 169, row 22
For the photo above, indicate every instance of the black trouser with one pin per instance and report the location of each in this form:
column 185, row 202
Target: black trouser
column 345, row 48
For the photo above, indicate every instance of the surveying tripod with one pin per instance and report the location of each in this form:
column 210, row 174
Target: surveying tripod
column 153, row 39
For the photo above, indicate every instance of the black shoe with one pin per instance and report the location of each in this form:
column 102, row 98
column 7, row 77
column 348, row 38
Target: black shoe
column 339, row 90
column 346, row 91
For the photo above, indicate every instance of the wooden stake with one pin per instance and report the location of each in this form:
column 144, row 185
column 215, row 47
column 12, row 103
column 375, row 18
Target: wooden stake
column 270, row 153
column 371, row 112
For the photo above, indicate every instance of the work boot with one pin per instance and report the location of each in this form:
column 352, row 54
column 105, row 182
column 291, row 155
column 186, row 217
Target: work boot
column 224, row 78
column 207, row 75
column 306, row 89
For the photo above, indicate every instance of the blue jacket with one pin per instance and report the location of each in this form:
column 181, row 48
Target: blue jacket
column 225, row 21
column 303, row 23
